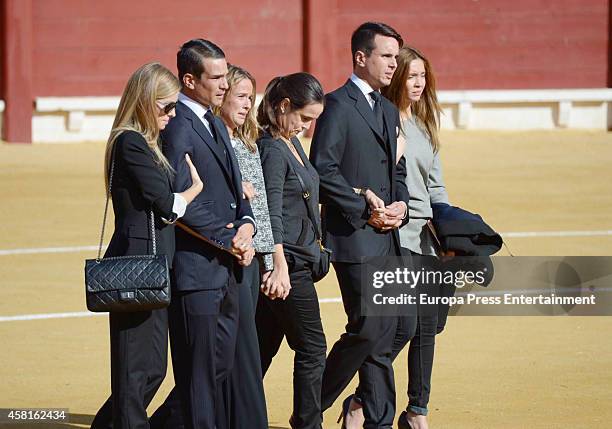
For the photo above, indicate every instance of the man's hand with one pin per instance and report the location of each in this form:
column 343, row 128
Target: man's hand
column 248, row 191
column 390, row 217
column 242, row 243
column 395, row 214
column 396, row 210
column 373, row 200
column 377, row 218
column 377, row 207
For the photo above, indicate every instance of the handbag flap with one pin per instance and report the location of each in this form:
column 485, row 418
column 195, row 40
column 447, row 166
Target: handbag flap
column 126, row 272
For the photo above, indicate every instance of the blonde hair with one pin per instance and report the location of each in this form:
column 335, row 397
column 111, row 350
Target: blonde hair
column 138, row 110
column 427, row 110
column 247, row 132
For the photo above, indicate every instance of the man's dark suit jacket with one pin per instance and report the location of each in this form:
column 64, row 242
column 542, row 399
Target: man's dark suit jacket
column 349, row 151
column 199, row 264
column 139, row 186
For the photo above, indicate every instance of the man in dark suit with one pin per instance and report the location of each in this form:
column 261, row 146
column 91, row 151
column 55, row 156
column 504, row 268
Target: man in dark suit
column 213, row 239
column 365, row 200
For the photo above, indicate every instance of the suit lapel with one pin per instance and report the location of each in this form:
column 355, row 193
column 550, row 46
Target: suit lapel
column 200, row 129
column 387, row 115
column 231, row 156
column 364, row 109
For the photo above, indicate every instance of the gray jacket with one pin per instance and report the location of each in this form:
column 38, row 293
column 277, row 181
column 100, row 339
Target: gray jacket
column 425, row 186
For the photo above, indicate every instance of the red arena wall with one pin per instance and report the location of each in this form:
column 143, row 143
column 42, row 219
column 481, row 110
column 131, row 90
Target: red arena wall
column 89, row 48
column 495, row 44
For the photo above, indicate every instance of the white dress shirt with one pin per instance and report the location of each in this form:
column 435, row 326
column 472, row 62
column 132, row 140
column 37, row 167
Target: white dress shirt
column 196, row 108
column 363, row 87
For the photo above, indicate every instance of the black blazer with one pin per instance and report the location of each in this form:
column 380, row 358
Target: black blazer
column 199, row 264
column 291, row 225
column 139, row 185
column 349, row 151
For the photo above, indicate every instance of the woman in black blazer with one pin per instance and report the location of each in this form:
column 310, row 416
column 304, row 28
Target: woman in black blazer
column 141, row 184
column 288, row 305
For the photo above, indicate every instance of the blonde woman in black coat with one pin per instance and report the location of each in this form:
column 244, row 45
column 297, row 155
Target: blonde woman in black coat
column 141, row 183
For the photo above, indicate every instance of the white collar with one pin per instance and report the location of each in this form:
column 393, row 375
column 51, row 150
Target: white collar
column 195, row 107
column 362, row 85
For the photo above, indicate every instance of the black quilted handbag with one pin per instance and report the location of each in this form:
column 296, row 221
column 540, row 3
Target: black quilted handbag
column 127, row 283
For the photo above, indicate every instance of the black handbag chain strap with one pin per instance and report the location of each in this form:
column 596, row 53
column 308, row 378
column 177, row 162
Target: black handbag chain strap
column 110, row 184
column 306, row 196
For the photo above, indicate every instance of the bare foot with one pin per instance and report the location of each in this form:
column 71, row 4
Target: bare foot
column 354, row 418
column 417, row 421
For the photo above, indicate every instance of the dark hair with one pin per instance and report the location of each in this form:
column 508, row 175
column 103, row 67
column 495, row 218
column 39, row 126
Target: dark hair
column 363, row 38
column 301, row 89
column 190, row 55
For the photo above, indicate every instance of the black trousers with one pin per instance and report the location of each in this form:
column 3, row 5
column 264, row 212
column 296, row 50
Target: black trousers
column 247, row 406
column 431, row 320
column 203, row 331
column 366, row 347
column 139, row 349
column 299, row 320
column 247, row 397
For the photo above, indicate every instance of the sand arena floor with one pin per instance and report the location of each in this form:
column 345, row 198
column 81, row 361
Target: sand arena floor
column 493, row 372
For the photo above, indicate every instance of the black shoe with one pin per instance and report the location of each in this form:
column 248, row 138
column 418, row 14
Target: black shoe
column 402, row 421
column 346, row 405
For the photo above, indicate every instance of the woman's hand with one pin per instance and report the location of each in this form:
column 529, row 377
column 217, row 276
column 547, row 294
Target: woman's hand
column 248, row 191
column 276, row 284
column 196, row 183
column 447, row 256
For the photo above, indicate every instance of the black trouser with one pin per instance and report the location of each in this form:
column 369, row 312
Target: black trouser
column 247, row 398
column 203, row 330
column 366, row 346
column 139, row 350
column 298, row 318
column 431, row 319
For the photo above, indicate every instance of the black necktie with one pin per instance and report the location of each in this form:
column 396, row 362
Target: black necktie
column 378, row 112
column 211, row 124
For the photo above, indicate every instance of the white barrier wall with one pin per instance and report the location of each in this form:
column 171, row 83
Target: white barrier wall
column 76, row 119
column 527, row 109
column 1, row 113
column 73, row 119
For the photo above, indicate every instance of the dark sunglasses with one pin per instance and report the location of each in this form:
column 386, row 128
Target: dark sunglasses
column 168, row 107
